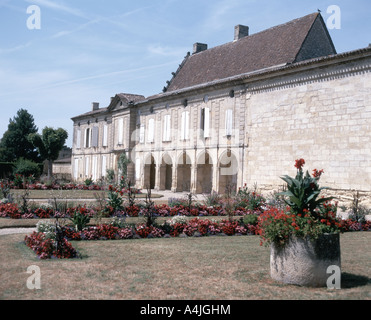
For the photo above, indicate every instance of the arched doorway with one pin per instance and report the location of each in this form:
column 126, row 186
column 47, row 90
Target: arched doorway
column 204, row 182
column 184, row 173
column 166, row 172
column 149, row 172
column 228, row 169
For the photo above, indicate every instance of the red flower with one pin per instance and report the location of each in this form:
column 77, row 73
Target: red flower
column 316, row 173
column 299, row 163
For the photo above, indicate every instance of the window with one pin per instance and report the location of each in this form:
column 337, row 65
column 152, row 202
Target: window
column 76, row 168
column 105, row 136
column 95, row 167
column 78, row 139
column 120, row 130
column 141, row 133
column 167, row 128
column 205, row 122
column 95, row 137
column 87, row 138
column 228, row 122
column 137, row 168
column 151, row 130
column 87, row 167
column 185, row 125
column 104, row 165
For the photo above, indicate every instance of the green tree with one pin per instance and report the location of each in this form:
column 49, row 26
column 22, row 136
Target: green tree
column 123, row 167
column 49, row 144
column 14, row 143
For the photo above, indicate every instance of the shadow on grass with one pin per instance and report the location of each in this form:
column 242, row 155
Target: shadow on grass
column 349, row 280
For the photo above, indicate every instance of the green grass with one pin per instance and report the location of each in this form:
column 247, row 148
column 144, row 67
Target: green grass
column 191, row 268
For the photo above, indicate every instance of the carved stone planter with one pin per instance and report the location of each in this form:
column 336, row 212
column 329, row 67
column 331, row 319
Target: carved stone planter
column 304, row 262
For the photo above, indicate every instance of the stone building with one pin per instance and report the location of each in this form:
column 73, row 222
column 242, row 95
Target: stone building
column 241, row 113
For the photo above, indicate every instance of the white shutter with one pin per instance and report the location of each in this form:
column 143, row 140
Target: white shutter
column 137, row 168
column 104, row 166
column 182, row 128
column 105, row 136
column 87, row 167
column 207, row 123
column 228, row 122
column 95, row 167
column 76, row 168
column 167, row 126
column 78, row 139
column 95, row 137
column 185, row 125
column 141, row 133
column 151, row 130
column 120, row 131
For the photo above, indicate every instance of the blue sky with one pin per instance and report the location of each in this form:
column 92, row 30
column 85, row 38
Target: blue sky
column 87, row 51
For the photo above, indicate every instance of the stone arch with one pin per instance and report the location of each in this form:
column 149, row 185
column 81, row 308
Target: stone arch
column 166, row 172
column 184, row 165
column 204, row 179
column 228, row 171
column 149, row 172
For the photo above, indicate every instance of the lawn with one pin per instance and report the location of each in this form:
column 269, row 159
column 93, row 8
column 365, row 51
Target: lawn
column 228, row 268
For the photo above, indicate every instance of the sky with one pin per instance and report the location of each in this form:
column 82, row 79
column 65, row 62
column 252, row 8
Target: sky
column 86, row 51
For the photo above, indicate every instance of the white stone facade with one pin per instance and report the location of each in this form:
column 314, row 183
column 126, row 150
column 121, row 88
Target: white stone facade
column 249, row 128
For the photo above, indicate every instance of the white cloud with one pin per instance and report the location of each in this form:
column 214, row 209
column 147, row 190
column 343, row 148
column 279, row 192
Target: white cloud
column 166, row 50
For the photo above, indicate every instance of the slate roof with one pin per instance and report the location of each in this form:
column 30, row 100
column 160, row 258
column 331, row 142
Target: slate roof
column 276, row 46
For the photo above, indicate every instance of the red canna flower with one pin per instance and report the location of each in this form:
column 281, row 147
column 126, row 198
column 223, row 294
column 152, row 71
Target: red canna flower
column 299, row 164
column 317, row 174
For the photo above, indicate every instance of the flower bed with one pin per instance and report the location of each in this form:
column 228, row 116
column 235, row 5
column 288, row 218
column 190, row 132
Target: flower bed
column 43, row 242
column 45, row 248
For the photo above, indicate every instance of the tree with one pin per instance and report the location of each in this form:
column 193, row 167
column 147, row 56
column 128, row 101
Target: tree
column 49, row 144
column 123, row 168
column 14, row 143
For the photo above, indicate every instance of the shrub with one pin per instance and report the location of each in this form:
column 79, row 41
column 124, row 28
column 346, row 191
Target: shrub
column 26, row 168
column 80, row 218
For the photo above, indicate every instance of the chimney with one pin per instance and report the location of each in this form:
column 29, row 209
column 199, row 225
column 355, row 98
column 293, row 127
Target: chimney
column 199, row 47
column 240, row 31
column 95, row 106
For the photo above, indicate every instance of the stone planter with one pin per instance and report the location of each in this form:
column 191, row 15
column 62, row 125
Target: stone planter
column 304, row 262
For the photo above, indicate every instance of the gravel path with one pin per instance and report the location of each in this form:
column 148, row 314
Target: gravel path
column 16, row 230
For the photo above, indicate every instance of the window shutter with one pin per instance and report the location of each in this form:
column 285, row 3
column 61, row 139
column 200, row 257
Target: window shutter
column 78, row 139
column 76, row 168
column 137, row 168
column 206, row 123
column 95, row 167
column 104, row 166
column 95, row 137
column 151, row 130
column 86, row 166
column 141, row 133
column 228, row 122
column 120, row 131
column 105, row 135
column 182, row 133
column 185, row 125
column 167, row 126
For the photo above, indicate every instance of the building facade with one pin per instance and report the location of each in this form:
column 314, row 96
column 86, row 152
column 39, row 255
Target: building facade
column 241, row 113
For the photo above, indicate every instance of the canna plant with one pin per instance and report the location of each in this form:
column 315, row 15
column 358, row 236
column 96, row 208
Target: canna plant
column 303, row 191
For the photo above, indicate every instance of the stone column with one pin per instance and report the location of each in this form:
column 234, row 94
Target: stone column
column 174, row 184
column 193, row 178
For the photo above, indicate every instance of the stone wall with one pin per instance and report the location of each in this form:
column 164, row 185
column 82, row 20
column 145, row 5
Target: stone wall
column 322, row 115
